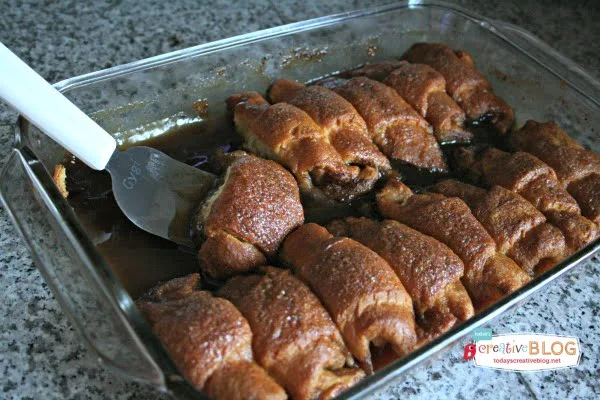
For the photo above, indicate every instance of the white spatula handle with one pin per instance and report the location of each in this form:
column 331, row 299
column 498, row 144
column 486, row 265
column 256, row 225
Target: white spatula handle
column 28, row 93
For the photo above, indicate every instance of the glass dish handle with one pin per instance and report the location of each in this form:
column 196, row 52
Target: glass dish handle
column 50, row 230
column 548, row 58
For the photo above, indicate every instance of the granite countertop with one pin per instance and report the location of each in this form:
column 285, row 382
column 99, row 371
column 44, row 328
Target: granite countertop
column 41, row 356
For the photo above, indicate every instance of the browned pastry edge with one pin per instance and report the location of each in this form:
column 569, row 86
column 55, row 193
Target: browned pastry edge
column 245, row 220
column 343, row 125
column 464, row 82
column 489, row 275
column 208, row 339
column 536, row 181
column 577, row 169
column 428, row 269
column 425, row 90
column 587, row 193
column 505, row 275
column 59, row 176
column 294, row 339
column 174, row 289
column 398, row 130
column 448, row 219
column 518, row 228
column 451, row 307
column 358, row 288
column 237, row 381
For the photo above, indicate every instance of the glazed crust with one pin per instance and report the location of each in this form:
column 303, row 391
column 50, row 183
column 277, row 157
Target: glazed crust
column 248, row 216
column 488, row 274
column 346, row 129
column 464, row 83
column 587, row 193
column 536, row 181
column 286, row 134
column 428, row 269
column 577, row 169
column 518, row 228
column 294, row 339
column 398, row 130
column 359, row 289
column 207, row 338
column 425, row 90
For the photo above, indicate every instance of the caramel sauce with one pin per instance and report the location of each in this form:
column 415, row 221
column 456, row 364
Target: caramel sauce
column 382, row 356
column 138, row 259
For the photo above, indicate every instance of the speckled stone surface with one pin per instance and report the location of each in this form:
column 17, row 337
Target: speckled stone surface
column 40, row 353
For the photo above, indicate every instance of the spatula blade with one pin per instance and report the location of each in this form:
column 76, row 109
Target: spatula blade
column 156, row 192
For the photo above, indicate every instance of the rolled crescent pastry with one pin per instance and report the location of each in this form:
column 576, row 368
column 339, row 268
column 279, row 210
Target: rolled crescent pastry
column 243, row 223
column 518, row 228
column 465, row 83
column 536, row 181
column 208, row 340
column 427, row 268
column 398, row 130
column 294, row 339
column 360, row 290
column 577, row 169
column 288, row 135
column 489, row 275
column 425, row 90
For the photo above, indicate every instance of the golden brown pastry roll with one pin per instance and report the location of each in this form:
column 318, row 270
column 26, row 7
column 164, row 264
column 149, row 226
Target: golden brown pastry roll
column 577, row 169
column 489, row 275
column 518, row 228
column 209, row 341
column 465, row 83
column 359, row 289
column 294, row 338
column 288, row 135
column 346, row 129
column 425, row 90
column 534, row 180
column 428, row 269
column 245, row 220
column 398, row 130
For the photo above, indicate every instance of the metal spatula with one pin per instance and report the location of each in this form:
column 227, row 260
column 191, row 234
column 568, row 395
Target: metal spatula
column 156, row 192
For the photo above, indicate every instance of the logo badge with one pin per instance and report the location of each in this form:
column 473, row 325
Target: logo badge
column 470, row 350
column 524, row 352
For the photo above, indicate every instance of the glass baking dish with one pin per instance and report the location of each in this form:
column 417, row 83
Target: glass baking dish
column 144, row 98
